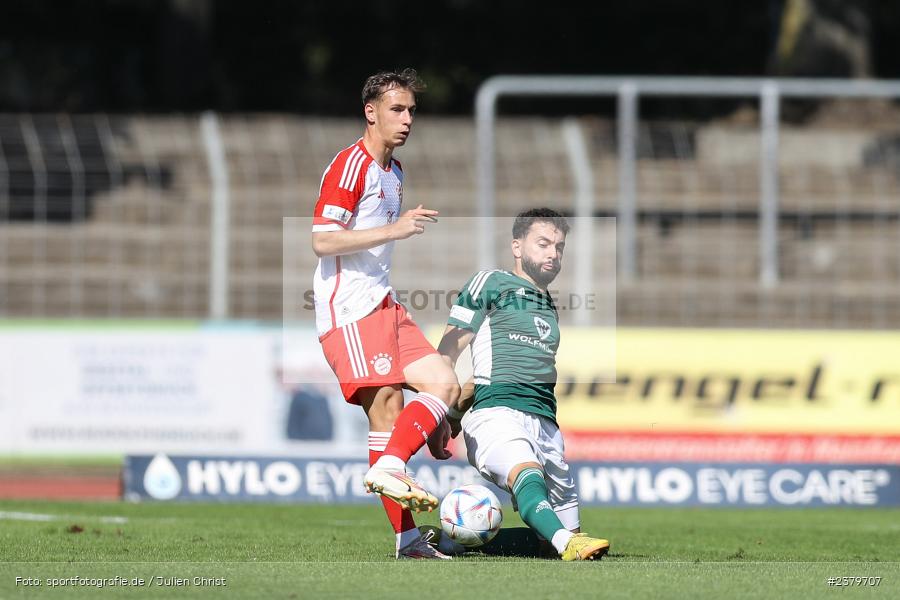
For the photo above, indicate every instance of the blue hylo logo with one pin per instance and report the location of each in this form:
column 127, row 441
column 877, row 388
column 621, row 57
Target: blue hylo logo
column 161, row 479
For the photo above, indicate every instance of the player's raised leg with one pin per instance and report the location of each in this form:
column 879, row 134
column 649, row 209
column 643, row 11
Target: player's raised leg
column 526, row 483
column 437, row 389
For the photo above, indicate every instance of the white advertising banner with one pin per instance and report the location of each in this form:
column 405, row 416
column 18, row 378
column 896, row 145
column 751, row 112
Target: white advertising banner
column 7, row 425
column 115, row 390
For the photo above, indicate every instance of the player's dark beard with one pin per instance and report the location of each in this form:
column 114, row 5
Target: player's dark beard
column 540, row 277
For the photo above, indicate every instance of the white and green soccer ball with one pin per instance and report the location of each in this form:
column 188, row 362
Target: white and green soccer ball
column 471, row 515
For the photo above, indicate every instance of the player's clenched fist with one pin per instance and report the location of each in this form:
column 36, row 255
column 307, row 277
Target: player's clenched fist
column 412, row 222
column 438, row 440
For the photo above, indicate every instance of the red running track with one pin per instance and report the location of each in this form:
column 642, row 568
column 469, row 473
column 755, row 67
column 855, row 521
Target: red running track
column 59, row 488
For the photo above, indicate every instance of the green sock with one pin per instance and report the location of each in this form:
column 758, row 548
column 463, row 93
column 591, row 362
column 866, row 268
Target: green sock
column 518, row 541
column 530, row 491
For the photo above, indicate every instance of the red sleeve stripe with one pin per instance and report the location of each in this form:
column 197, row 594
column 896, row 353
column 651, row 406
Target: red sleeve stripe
column 337, row 282
column 351, row 169
column 327, row 221
column 325, row 174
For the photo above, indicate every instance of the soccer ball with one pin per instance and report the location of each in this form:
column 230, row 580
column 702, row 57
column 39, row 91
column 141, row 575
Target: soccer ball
column 471, row 515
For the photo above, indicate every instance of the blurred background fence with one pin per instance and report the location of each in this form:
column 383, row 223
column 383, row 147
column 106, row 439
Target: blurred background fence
column 109, row 216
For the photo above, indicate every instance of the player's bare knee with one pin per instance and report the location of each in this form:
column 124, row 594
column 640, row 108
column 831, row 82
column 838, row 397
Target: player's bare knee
column 516, row 470
column 448, row 391
column 454, row 391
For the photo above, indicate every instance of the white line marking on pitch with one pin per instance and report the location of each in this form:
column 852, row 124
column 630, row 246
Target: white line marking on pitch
column 26, row 516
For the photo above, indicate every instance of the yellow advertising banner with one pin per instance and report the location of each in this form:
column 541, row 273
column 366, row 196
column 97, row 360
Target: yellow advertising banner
column 730, row 381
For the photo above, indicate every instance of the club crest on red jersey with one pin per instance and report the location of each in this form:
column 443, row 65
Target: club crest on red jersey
column 382, row 363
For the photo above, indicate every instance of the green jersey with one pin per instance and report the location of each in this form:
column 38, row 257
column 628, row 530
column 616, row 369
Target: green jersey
column 516, row 329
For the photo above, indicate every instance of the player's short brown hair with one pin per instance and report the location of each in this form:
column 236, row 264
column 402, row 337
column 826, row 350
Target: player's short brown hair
column 377, row 84
column 526, row 219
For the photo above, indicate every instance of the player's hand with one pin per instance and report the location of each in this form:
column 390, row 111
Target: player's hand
column 455, row 426
column 438, row 440
column 413, row 221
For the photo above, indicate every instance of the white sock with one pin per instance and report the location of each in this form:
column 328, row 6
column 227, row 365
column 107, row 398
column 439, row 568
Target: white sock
column 561, row 539
column 386, row 461
column 405, row 538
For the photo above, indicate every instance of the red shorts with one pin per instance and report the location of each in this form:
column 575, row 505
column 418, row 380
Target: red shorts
column 373, row 351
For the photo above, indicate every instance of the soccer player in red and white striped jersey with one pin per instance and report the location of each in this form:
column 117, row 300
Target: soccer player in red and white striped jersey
column 368, row 338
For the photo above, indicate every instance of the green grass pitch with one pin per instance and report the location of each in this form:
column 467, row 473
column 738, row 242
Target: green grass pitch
column 313, row 551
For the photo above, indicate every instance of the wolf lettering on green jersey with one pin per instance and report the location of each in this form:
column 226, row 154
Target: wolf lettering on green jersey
column 516, row 328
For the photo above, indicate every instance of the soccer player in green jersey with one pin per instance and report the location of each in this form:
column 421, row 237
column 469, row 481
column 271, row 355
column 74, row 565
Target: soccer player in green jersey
column 510, row 430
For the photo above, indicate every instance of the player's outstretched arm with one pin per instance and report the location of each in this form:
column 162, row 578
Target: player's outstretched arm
column 453, row 342
column 336, row 243
column 467, row 396
column 466, row 399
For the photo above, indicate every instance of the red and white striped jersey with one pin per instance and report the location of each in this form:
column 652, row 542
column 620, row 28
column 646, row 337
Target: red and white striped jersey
column 355, row 193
